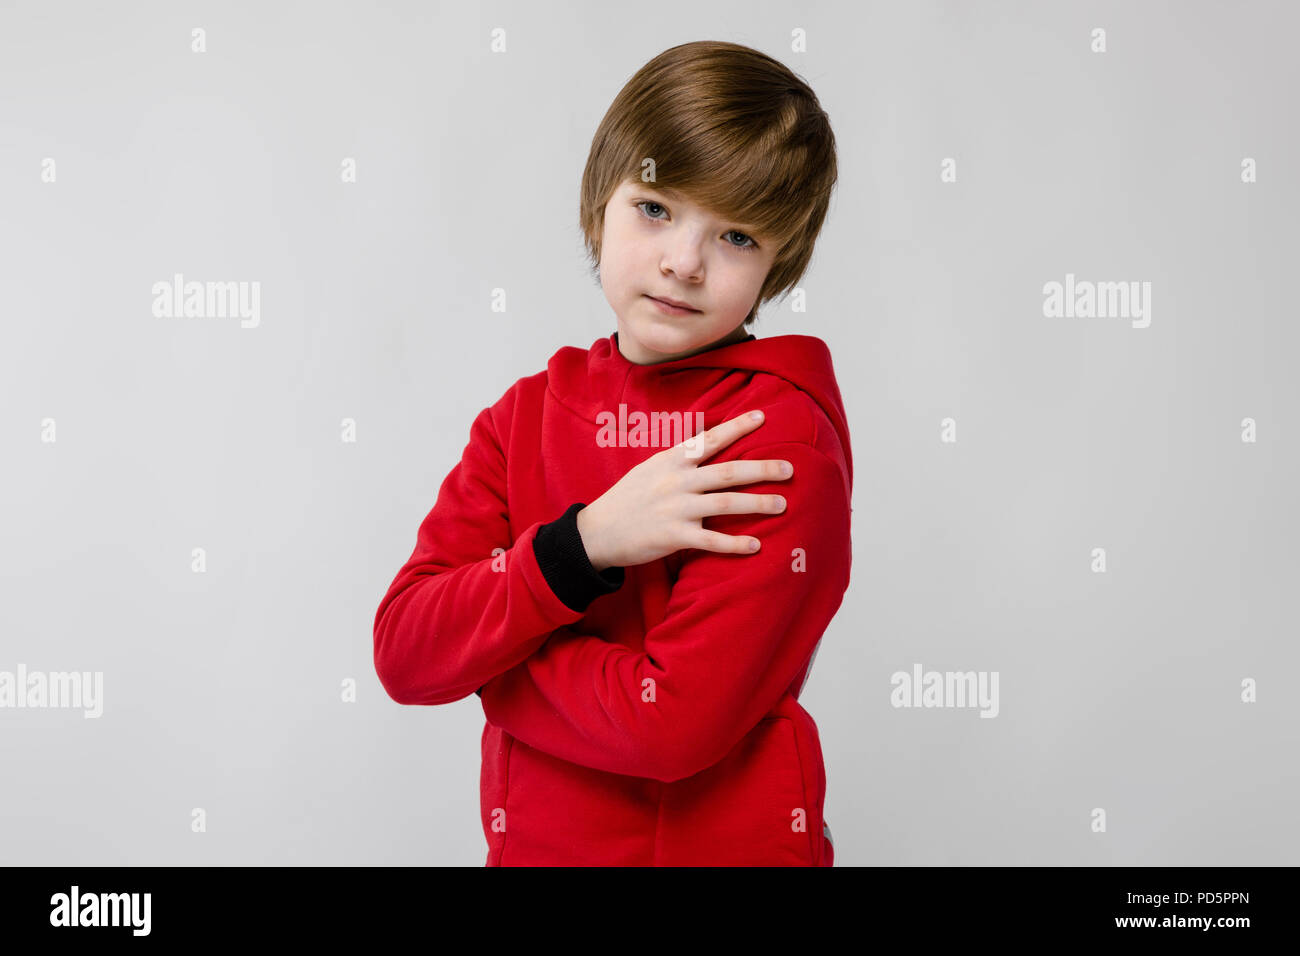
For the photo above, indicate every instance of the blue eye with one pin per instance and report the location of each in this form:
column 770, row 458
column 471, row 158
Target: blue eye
column 650, row 202
column 647, row 202
column 753, row 245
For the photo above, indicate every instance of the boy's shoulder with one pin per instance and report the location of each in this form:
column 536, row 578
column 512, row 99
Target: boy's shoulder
column 525, row 393
column 791, row 415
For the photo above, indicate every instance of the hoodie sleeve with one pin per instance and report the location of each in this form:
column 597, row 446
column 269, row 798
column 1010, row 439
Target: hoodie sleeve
column 736, row 632
column 563, row 559
column 469, row 605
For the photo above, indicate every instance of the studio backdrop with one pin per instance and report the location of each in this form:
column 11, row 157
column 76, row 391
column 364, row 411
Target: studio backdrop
column 1055, row 278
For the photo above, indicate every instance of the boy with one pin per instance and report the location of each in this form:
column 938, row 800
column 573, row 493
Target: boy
column 639, row 658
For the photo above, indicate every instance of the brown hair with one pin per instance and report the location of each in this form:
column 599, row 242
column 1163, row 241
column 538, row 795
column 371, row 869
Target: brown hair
column 736, row 131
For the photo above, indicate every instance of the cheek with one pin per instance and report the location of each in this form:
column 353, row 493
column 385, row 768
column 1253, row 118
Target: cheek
column 617, row 272
column 625, row 258
column 756, row 275
column 742, row 283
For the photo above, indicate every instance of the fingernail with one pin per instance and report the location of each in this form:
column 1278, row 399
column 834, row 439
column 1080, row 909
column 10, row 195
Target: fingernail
column 756, row 416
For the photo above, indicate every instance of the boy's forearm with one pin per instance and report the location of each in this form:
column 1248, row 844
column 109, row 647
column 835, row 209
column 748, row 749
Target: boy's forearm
column 497, row 621
column 443, row 632
column 474, row 600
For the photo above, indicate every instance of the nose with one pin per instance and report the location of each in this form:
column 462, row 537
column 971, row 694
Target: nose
column 682, row 258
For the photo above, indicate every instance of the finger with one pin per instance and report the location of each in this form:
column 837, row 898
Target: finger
column 700, row 447
column 725, row 543
column 740, row 471
column 735, row 502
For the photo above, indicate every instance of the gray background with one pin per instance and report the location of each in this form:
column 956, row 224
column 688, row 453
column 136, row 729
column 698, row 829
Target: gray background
column 1118, row 690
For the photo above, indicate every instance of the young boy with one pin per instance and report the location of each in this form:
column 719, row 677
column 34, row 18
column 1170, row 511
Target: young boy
column 587, row 567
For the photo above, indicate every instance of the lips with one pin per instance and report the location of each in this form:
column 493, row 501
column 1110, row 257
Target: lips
column 680, row 305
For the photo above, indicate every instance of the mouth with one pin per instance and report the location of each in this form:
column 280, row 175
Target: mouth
column 672, row 306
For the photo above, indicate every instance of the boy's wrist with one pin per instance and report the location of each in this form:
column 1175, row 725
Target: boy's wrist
column 563, row 560
column 588, row 535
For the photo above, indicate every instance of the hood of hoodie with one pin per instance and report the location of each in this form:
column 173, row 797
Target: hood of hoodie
column 587, row 381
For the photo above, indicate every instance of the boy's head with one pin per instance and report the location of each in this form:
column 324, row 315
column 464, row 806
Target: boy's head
column 708, row 181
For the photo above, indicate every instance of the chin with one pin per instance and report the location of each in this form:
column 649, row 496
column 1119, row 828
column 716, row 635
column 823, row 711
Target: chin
column 672, row 338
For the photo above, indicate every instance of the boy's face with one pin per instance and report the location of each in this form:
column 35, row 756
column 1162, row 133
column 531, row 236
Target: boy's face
column 655, row 242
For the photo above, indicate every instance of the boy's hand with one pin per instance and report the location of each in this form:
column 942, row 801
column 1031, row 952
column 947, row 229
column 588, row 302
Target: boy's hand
column 656, row 508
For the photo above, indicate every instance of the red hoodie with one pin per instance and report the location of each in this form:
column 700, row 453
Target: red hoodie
column 646, row 715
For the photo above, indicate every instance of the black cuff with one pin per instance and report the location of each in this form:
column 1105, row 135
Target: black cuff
column 563, row 559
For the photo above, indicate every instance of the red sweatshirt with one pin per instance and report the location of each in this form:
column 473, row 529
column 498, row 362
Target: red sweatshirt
column 645, row 715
